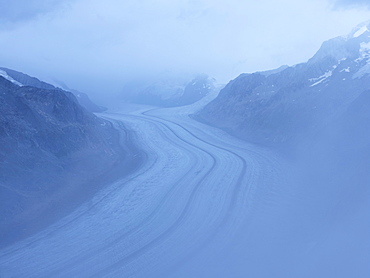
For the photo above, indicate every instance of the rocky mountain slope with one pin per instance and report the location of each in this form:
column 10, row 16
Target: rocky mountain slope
column 317, row 116
column 22, row 79
column 285, row 106
column 52, row 153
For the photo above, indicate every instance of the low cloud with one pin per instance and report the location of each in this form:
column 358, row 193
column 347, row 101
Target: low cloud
column 17, row 11
column 95, row 46
column 351, row 3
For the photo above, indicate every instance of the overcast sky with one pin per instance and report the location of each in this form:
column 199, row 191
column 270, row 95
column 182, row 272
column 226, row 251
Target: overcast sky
column 95, row 46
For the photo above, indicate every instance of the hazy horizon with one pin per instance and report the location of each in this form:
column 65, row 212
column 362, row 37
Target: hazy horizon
column 159, row 172
column 96, row 47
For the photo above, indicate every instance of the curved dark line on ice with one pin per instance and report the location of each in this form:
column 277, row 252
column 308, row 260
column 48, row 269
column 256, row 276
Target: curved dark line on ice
column 176, row 224
column 168, row 194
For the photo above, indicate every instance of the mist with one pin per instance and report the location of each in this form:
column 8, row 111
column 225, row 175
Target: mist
column 96, row 47
column 234, row 141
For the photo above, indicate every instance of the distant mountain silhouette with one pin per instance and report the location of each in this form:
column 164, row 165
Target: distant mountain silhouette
column 169, row 91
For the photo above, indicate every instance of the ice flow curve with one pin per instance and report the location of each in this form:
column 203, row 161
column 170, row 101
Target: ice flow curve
column 197, row 189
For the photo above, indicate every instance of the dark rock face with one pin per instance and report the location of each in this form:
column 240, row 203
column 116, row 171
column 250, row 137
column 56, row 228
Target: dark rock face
column 26, row 80
column 51, row 152
column 50, row 119
column 280, row 107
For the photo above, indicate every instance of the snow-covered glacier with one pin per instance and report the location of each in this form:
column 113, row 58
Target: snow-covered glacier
column 203, row 204
column 197, row 189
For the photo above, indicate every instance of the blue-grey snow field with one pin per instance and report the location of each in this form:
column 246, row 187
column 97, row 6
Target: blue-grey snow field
column 267, row 178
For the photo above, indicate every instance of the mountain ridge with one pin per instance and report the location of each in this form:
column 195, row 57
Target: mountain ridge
column 22, row 79
column 279, row 108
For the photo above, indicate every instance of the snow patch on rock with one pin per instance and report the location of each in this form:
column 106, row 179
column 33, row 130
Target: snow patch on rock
column 321, row 78
column 361, row 31
column 6, row 76
column 364, row 54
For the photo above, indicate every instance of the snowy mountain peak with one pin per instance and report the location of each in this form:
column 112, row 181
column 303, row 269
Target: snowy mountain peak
column 351, row 46
column 359, row 30
column 334, row 77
